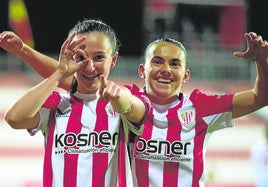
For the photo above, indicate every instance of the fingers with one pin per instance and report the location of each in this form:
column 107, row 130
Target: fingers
column 73, row 46
column 75, row 43
column 4, row 34
column 101, row 87
column 69, row 45
column 79, row 55
column 108, row 89
column 7, row 35
column 72, row 58
column 256, row 40
column 67, row 42
column 103, row 82
column 249, row 37
column 238, row 53
column 257, row 48
column 264, row 43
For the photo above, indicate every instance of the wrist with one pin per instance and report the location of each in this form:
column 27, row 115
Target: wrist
column 123, row 104
column 59, row 75
column 23, row 50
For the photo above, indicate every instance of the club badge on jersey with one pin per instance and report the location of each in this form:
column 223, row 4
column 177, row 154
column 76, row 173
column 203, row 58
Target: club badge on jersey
column 187, row 117
column 110, row 111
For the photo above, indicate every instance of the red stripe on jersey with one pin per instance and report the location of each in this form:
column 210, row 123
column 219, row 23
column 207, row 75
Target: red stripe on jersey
column 98, row 171
column 214, row 104
column 142, row 166
column 171, row 171
column 51, row 102
column 48, row 173
column 70, row 169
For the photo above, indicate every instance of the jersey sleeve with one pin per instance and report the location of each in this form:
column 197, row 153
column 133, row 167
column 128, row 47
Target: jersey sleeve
column 51, row 102
column 214, row 103
column 130, row 128
column 42, row 125
column 215, row 110
column 134, row 89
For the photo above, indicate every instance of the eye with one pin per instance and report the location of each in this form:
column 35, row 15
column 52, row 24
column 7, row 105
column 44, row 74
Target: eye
column 175, row 63
column 80, row 58
column 99, row 58
column 156, row 61
column 79, row 55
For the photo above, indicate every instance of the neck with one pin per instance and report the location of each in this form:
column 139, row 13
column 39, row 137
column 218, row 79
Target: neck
column 164, row 100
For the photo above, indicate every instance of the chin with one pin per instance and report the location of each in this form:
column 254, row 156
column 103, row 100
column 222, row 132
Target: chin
column 90, row 89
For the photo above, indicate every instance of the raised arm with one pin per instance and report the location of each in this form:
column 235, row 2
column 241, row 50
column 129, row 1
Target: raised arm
column 251, row 100
column 42, row 64
column 24, row 113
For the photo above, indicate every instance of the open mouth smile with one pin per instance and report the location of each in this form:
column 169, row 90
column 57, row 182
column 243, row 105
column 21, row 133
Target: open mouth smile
column 164, row 81
column 91, row 77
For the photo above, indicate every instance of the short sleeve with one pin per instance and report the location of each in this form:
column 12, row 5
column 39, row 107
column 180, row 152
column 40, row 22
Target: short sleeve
column 42, row 125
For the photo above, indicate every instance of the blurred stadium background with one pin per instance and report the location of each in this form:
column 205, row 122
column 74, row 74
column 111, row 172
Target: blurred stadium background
column 210, row 29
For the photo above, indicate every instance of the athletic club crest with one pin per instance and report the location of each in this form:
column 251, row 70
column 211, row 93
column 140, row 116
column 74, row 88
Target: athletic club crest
column 187, row 117
column 110, row 111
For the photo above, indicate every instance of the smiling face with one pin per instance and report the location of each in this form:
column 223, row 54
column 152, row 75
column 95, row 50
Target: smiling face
column 98, row 50
column 164, row 72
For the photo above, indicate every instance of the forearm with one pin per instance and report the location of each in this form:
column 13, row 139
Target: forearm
column 42, row 64
column 261, row 83
column 130, row 106
column 251, row 100
column 31, row 102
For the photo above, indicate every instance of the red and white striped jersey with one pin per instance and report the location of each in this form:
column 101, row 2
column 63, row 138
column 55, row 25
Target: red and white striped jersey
column 85, row 143
column 171, row 149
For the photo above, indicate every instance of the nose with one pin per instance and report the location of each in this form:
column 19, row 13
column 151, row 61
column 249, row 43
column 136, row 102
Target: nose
column 90, row 66
column 165, row 71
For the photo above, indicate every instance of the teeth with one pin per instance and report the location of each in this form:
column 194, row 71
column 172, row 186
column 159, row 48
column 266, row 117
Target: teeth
column 90, row 77
column 164, row 80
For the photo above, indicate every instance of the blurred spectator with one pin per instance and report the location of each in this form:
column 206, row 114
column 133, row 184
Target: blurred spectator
column 190, row 37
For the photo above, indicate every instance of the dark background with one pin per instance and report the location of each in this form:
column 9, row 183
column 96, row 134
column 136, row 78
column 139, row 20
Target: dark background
column 52, row 19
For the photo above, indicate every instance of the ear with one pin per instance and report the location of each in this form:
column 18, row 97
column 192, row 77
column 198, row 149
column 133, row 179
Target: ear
column 141, row 71
column 187, row 76
column 114, row 60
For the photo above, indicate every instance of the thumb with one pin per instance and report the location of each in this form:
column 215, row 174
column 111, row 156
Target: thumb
column 239, row 53
column 103, row 82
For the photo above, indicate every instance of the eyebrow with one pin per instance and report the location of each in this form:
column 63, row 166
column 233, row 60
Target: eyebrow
column 173, row 59
column 157, row 57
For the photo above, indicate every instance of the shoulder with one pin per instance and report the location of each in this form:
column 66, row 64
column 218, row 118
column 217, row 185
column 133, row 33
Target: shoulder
column 135, row 90
column 197, row 94
column 53, row 100
column 132, row 87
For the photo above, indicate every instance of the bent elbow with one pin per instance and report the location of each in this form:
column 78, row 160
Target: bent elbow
column 11, row 120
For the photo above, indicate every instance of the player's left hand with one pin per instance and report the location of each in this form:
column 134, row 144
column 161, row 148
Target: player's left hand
column 257, row 48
